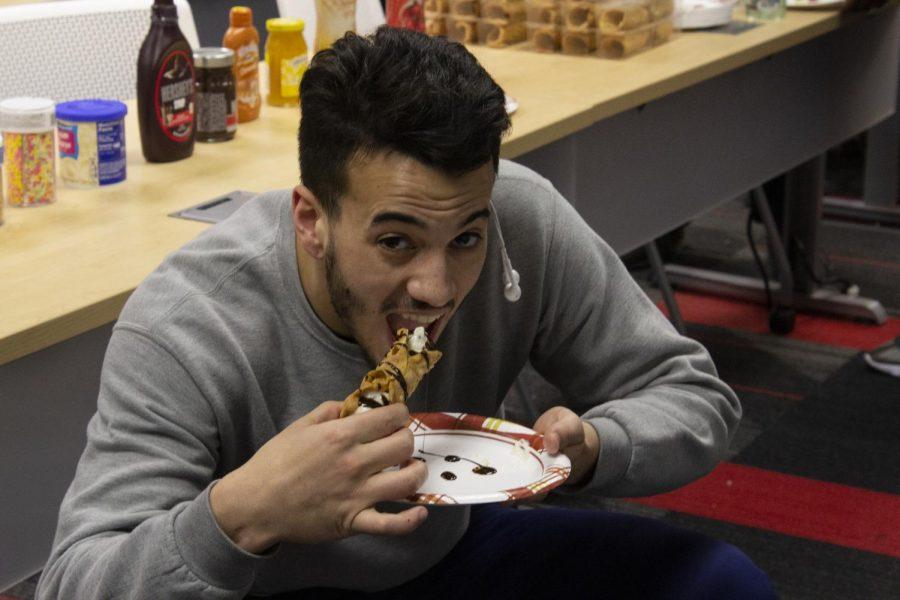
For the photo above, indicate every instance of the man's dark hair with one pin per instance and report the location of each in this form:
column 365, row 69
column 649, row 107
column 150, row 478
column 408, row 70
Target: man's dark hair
column 400, row 91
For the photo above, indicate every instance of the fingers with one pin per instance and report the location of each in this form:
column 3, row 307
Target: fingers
column 395, row 485
column 552, row 442
column 327, row 411
column 561, row 429
column 375, row 523
column 358, row 428
column 378, row 423
column 544, row 425
column 369, row 442
column 367, row 426
column 394, row 449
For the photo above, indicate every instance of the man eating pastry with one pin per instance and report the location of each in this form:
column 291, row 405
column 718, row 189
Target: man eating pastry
column 217, row 465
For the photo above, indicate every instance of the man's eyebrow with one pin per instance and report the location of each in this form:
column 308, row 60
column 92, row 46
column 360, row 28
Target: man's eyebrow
column 483, row 213
column 386, row 217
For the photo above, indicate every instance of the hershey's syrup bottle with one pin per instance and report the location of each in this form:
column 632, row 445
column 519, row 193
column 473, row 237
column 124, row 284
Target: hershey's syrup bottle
column 165, row 88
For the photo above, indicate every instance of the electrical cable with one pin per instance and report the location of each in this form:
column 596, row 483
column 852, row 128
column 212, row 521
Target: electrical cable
column 758, row 260
column 846, row 285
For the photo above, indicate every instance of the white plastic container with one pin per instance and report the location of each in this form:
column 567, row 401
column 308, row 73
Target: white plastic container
column 91, row 136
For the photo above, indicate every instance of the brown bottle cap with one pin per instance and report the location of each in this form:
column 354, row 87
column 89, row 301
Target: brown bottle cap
column 241, row 16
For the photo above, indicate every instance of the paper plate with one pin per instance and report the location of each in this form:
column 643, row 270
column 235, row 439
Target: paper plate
column 814, row 4
column 703, row 14
column 478, row 460
column 512, row 105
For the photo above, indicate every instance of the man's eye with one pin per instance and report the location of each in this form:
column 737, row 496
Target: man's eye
column 394, row 243
column 467, row 240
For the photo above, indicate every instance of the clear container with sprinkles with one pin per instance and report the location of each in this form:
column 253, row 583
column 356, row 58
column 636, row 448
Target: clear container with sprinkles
column 29, row 152
column 1, row 180
column 91, row 138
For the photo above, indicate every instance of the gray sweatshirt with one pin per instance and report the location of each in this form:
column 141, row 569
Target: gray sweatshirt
column 218, row 350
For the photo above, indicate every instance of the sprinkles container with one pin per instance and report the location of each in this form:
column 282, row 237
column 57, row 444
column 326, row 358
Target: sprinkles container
column 1, row 180
column 91, row 138
column 29, row 154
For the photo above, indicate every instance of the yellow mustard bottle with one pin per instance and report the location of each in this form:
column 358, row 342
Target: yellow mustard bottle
column 286, row 59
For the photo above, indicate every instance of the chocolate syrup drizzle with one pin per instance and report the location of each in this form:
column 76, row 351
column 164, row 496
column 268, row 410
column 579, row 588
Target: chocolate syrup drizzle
column 478, row 470
column 398, row 375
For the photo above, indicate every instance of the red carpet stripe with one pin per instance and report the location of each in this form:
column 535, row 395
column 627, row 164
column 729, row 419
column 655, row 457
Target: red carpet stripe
column 881, row 264
column 758, row 390
column 744, row 316
column 797, row 506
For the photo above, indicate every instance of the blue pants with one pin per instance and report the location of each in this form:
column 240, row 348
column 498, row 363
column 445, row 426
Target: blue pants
column 565, row 553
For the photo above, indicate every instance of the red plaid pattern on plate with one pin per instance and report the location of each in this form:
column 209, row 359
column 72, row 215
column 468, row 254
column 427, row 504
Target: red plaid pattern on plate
column 555, row 469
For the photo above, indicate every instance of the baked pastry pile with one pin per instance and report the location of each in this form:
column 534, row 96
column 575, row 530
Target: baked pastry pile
column 610, row 28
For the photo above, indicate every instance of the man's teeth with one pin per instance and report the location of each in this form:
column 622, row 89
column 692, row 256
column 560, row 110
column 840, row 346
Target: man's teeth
column 421, row 320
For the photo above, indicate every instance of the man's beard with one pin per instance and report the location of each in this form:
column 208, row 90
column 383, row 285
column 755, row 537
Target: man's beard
column 343, row 300
column 347, row 303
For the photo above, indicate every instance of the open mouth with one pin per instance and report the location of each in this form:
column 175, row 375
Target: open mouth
column 410, row 321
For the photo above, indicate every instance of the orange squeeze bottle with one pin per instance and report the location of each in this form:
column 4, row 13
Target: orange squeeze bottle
column 243, row 38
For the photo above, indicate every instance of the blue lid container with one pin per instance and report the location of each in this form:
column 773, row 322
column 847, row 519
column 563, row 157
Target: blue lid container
column 91, row 110
column 91, row 142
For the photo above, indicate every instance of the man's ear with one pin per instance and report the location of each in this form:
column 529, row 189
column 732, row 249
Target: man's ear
column 310, row 222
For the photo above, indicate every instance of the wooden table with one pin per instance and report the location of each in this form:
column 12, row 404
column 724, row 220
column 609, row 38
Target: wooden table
column 69, row 267
column 612, row 135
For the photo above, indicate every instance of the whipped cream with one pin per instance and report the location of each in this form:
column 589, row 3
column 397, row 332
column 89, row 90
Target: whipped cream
column 418, row 339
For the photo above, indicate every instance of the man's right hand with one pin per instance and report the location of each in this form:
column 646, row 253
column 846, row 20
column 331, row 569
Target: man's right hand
column 319, row 479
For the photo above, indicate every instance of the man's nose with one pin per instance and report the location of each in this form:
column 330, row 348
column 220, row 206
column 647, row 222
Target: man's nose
column 432, row 282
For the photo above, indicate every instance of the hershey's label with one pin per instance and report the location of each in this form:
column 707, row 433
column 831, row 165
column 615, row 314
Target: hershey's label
column 174, row 96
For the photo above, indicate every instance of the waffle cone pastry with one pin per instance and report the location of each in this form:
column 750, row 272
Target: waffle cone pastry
column 547, row 11
column 463, row 29
column 621, row 46
column 437, row 6
column 435, row 24
column 465, row 8
column 398, row 374
column 511, row 10
column 662, row 31
column 578, row 42
column 502, row 33
column 624, row 18
column 660, row 9
column 546, row 38
column 580, row 15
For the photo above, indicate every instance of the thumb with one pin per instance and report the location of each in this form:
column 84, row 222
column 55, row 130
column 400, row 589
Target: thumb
column 544, row 426
column 546, row 420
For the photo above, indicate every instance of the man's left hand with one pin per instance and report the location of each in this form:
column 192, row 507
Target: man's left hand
column 565, row 432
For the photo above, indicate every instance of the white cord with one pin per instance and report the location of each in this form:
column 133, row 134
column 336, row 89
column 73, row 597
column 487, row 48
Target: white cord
column 511, row 289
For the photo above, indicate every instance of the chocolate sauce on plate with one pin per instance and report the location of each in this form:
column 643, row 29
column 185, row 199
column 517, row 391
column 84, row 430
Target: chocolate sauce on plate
column 478, row 470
